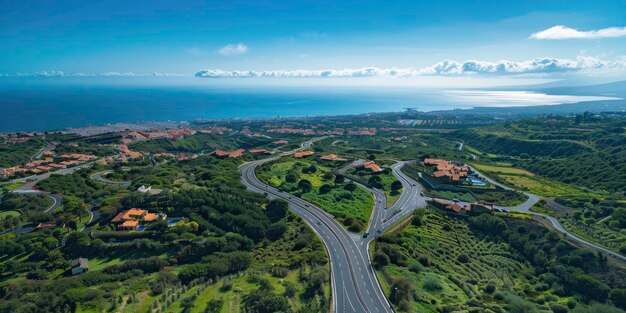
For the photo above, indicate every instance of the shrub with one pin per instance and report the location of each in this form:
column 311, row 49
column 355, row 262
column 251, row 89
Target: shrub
column 380, row 259
column 416, row 267
column 227, row 285
column 618, row 297
column 325, row 188
column 463, row 258
column 431, row 283
column 350, row 187
column 557, row 308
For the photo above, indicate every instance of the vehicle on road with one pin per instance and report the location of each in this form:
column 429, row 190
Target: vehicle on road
column 365, row 235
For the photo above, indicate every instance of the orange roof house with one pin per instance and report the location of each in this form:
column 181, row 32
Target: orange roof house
column 371, row 166
column 331, row 157
column 129, row 225
column 129, row 219
column 302, row 154
column 237, row 153
column 258, row 151
column 280, row 142
column 149, row 217
column 447, row 170
column 223, row 154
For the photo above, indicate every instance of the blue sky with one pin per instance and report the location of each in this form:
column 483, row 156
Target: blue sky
column 185, row 37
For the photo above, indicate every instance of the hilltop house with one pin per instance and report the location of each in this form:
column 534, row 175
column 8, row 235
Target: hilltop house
column 332, row 157
column 129, row 220
column 460, row 208
column 302, row 154
column 80, row 266
column 371, row 166
column 447, row 171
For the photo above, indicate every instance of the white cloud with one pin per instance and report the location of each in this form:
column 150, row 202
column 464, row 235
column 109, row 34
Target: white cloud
column 564, row 32
column 233, row 49
column 444, row 68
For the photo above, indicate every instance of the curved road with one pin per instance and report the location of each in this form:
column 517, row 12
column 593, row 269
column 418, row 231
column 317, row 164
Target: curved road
column 532, row 200
column 98, row 177
column 354, row 285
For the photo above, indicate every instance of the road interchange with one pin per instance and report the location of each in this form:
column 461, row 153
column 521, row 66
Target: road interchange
column 355, row 287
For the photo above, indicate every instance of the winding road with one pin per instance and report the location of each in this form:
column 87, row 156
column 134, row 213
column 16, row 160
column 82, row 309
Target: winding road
column 99, row 177
column 355, row 287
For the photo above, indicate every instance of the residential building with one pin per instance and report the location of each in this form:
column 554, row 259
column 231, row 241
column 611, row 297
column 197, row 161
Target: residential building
column 129, row 220
column 302, row 154
column 80, row 266
column 371, row 166
column 331, row 157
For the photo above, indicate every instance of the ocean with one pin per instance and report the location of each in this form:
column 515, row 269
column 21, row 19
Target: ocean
column 38, row 107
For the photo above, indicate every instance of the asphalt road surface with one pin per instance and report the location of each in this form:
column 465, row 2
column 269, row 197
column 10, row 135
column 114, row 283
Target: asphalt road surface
column 98, row 177
column 355, row 287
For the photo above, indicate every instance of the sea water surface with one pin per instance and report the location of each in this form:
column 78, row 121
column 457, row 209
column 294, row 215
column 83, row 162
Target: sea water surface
column 37, row 107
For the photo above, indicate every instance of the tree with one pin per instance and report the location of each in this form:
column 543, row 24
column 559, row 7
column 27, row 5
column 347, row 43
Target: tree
column 214, row 306
column 163, row 281
column 55, row 259
column 339, row 179
column 380, row 259
column 305, row 185
column 276, row 210
column 266, row 302
column 396, row 185
column 74, row 207
column 325, row 188
column 618, row 297
column 371, row 157
column 350, row 187
column 291, row 178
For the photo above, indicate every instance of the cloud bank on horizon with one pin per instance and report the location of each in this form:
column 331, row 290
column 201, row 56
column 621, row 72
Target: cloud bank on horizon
column 560, row 32
column 444, row 68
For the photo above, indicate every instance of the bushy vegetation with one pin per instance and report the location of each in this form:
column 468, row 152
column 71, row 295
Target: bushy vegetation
column 487, row 263
column 200, row 142
column 13, row 154
column 224, row 231
column 315, row 183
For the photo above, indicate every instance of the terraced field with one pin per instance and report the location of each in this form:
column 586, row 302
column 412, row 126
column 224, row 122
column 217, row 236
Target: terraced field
column 445, row 251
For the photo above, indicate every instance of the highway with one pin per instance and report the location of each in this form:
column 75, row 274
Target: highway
column 355, row 287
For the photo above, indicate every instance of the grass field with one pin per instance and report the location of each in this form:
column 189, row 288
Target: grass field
column 338, row 202
column 501, row 169
column 9, row 213
column 527, row 181
column 540, row 186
